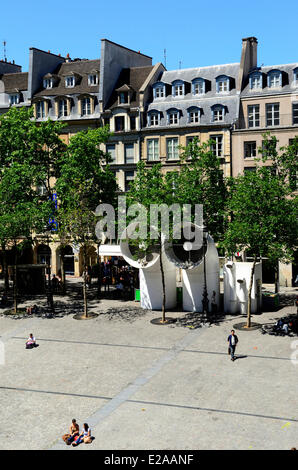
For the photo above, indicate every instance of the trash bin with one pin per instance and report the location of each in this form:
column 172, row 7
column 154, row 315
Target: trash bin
column 137, row 295
column 179, row 295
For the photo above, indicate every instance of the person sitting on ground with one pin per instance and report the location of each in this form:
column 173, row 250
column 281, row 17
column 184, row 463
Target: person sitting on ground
column 74, row 431
column 32, row 310
column 85, row 436
column 31, row 342
column 285, row 329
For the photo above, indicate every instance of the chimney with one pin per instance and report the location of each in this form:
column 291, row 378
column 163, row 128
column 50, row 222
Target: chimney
column 249, row 59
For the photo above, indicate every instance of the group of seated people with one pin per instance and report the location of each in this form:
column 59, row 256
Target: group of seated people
column 75, row 437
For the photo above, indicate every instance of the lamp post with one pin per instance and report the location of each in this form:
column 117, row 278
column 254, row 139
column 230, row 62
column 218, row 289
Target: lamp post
column 205, row 301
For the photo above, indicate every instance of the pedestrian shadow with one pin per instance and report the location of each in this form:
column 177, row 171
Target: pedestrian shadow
column 240, row 357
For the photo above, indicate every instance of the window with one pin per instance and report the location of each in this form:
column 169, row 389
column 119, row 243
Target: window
column 129, row 153
column 129, row 177
column 255, row 81
column 198, row 87
column 253, row 112
column 222, row 84
column 92, row 79
column 216, row 145
column 178, row 88
column 86, row 106
column 152, row 149
column 295, row 76
column 194, row 115
column 159, row 92
column 48, row 83
column 40, row 109
column 153, row 119
column 70, row 81
column 172, row 148
column 250, row 149
column 41, row 189
column 14, row 99
column 218, row 113
column 62, row 108
column 132, row 123
column 295, row 113
column 274, row 79
column 119, row 123
column 123, row 97
column 272, row 114
column 111, row 149
column 173, row 118
column 248, row 169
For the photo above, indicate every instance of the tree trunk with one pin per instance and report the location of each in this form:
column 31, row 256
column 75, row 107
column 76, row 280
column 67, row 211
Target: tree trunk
column 84, row 284
column 63, row 273
column 249, row 293
column 5, row 269
column 15, row 281
column 163, row 285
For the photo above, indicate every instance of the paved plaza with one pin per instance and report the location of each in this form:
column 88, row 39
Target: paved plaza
column 144, row 386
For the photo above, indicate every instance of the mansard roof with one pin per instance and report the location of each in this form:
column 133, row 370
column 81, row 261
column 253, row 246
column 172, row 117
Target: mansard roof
column 15, row 81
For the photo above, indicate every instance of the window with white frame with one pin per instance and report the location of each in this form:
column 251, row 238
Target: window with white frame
column 62, row 107
column 274, row 79
column 194, row 115
column 253, row 112
column 111, row 149
column 178, row 88
column 14, row 98
column 129, row 177
column 40, row 109
column 216, row 145
column 295, row 77
column 48, row 83
column 153, row 119
column 86, row 106
column 198, row 86
column 70, row 81
column 295, row 113
column 159, row 91
column 92, row 79
column 172, row 148
column 173, row 117
column 256, row 81
column 222, row 84
column 272, row 114
column 218, row 113
column 41, row 189
column 152, row 150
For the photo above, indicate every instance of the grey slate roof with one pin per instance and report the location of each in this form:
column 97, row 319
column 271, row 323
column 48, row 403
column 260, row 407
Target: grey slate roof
column 80, row 68
column 287, row 79
column 230, row 100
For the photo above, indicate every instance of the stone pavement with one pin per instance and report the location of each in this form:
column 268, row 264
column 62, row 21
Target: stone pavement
column 143, row 386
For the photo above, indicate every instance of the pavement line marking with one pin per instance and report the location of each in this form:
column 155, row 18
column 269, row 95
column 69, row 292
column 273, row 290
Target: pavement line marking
column 125, row 394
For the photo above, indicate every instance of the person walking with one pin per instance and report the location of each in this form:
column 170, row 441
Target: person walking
column 232, row 340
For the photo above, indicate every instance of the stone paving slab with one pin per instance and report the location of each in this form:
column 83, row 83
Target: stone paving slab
column 144, row 386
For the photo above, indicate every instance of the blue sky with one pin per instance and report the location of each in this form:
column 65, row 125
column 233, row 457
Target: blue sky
column 194, row 32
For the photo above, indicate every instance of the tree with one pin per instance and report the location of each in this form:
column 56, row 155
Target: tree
column 23, row 212
column 84, row 182
column 261, row 219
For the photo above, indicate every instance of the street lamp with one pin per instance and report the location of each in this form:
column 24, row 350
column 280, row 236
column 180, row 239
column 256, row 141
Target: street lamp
column 205, row 301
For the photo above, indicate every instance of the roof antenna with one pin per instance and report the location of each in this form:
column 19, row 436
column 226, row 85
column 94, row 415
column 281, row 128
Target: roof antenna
column 4, row 50
column 165, row 57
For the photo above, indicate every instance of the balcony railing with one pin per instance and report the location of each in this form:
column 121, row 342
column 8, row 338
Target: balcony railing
column 269, row 121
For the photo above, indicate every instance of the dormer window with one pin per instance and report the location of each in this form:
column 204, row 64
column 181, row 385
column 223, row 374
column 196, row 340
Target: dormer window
column 178, row 88
column 48, row 83
column 153, row 118
column 274, row 79
column 14, row 99
column 70, row 81
column 194, row 115
column 198, row 86
column 92, row 79
column 159, row 90
column 173, row 117
column 218, row 113
column 255, row 81
column 123, row 97
column 222, row 84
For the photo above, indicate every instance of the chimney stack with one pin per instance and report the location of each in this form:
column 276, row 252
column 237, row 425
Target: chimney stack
column 249, row 59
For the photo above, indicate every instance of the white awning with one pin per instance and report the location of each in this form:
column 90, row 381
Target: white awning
column 109, row 250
